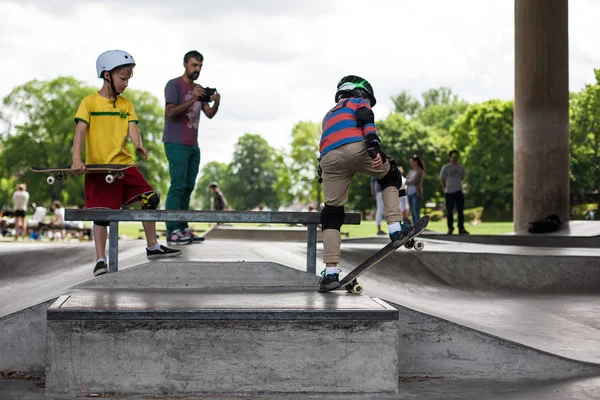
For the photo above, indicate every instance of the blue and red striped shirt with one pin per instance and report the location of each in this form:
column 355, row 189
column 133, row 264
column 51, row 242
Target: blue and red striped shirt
column 340, row 125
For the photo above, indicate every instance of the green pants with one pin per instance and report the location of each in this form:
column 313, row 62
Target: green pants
column 184, row 162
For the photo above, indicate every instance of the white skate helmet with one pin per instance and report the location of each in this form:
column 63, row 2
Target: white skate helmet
column 112, row 59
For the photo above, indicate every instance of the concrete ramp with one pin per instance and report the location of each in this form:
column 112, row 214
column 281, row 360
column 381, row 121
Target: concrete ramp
column 540, row 300
column 429, row 346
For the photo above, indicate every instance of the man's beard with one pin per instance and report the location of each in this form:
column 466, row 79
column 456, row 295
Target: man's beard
column 193, row 76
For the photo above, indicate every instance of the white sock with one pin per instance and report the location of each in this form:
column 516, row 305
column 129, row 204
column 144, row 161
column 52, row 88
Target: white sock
column 102, row 259
column 155, row 247
column 395, row 227
column 331, row 270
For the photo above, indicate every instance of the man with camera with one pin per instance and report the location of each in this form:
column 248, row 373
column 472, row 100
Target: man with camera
column 185, row 100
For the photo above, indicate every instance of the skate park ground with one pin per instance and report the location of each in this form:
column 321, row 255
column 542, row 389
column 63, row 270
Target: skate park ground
column 539, row 298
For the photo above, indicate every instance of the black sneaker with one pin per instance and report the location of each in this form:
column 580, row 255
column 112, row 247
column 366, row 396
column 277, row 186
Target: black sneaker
column 195, row 238
column 404, row 232
column 177, row 237
column 329, row 282
column 100, row 268
column 162, row 252
column 463, row 232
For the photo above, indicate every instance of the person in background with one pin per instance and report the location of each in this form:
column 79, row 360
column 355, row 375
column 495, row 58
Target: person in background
column 451, row 177
column 218, row 200
column 20, row 200
column 414, row 186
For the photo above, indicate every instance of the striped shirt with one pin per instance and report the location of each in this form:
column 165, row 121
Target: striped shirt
column 340, row 125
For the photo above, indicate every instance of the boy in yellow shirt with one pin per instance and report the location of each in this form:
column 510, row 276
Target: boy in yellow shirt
column 105, row 120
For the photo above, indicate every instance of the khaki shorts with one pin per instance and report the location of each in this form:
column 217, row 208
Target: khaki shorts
column 339, row 167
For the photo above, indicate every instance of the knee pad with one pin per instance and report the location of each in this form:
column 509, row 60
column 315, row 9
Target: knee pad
column 101, row 223
column 150, row 201
column 392, row 178
column 332, row 217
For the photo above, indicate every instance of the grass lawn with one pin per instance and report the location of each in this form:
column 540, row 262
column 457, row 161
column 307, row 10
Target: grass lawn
column 366, row 228
column 131, row 230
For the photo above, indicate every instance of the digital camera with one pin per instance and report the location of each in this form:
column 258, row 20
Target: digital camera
column 209, row 92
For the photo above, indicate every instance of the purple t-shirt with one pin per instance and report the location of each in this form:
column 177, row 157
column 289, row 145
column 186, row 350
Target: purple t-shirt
column 182, row 129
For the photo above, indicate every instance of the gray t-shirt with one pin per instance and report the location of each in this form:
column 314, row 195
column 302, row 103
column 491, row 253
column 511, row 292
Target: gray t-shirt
column 453, row 174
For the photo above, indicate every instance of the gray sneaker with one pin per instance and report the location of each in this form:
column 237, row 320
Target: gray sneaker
column 177, row 237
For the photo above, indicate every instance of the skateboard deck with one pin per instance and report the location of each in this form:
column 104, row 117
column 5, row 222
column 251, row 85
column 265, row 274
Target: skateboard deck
column 350, row 283
column 112, row 171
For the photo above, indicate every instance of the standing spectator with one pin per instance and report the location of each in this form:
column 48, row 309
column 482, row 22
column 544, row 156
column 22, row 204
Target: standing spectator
column 451, row 177
column 20, row 199
column 377, row 194
column 184, row 102
column 218, row 200
column 414, row 186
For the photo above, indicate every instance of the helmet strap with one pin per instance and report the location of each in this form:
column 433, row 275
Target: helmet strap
column 112, row 86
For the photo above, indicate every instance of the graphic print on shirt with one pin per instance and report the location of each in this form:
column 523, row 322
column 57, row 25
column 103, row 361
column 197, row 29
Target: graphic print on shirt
column 193, row 112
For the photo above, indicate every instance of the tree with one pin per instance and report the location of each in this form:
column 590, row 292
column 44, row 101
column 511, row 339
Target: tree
column 41, row 113
column 585, row 140
column 305, row 186
column 402, row 138
column 484, row 136
column 406, row 104
column 254, row 174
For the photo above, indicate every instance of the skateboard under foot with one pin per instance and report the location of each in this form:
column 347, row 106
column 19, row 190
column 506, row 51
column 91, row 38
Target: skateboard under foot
column 350, row 282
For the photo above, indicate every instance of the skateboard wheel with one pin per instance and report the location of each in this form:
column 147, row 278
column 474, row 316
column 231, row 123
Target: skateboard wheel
column 419, row 245
column 349, row 288
column 410, row 244
column 50, row 180
column 109, row 178
column 357, row 289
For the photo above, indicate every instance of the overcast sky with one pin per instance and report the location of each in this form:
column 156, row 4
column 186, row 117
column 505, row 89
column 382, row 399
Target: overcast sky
column 277, row 62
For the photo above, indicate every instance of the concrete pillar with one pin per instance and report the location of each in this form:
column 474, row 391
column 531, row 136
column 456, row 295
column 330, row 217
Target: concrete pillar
column 541, row 115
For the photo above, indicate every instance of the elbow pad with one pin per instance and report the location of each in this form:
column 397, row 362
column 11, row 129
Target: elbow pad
column 364, row 116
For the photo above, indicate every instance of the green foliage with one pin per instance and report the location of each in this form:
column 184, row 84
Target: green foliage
column 585, row 139
column 7, row 188
column 484, row 135
column 283, row 186
column 304, row 156
column 582, row 211
column 254, row 174
column 42, row 114
column 401, row 138
column 406, row 104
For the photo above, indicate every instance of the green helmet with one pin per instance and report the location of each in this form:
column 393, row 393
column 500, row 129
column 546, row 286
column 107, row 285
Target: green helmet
column 355, row 86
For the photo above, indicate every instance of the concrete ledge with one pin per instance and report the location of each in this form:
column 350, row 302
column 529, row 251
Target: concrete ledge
column 221, row 357
column 179, row 304
column 179, row 342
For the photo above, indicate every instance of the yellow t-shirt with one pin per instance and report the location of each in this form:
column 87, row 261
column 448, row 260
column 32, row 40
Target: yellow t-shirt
column 108, row 126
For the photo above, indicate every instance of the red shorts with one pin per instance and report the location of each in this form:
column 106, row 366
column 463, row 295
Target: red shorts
column 122, row 192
